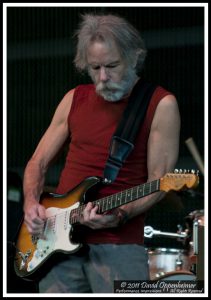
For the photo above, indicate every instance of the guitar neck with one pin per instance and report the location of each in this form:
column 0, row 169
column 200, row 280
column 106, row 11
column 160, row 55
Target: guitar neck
column 118, row 199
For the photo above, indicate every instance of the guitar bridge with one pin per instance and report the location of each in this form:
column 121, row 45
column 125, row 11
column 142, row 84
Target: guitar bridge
column 24, row 258
column 34, row 239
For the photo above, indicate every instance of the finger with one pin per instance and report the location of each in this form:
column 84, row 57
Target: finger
column 34, row 225
column 87, row 211
column 88, row 207
column 93, row 212
column 34, row 228
column 42, row 212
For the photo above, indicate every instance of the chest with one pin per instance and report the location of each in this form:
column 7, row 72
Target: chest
column 95, row 121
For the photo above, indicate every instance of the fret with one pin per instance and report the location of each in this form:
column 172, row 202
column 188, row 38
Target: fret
column 133, row 194
column 118, row 199
column 146, row 189
column 80, row 210
column 158, row 184
column 104, row 204
column 97, row 202
column 73, row 216
column 125, row 198
column 128, row 195
column 150, row 188
column 140, row 191
column 115, row 199
column 122, row 197
column 137, row 194
column 110, row 201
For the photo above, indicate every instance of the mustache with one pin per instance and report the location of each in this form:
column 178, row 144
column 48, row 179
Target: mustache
column 107, row 86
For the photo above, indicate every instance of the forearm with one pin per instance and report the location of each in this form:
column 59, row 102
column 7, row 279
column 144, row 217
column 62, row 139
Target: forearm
column 33, row 181
column 141, row 205
column 118, row 216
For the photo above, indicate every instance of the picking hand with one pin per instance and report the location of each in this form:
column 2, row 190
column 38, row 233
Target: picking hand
column 34, row 217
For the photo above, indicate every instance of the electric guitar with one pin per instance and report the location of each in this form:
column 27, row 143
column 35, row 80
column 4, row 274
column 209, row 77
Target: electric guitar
column 64, row 210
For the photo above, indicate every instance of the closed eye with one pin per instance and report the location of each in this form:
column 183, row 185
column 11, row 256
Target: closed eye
column 109, row 66
column 95, row 67
column 112, row 66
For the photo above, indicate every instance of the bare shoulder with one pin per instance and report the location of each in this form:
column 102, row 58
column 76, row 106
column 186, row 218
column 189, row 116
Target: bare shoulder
column 64, row 107
column 67, row 100
column 168, row 105
column 167, row 112
column 168, row 101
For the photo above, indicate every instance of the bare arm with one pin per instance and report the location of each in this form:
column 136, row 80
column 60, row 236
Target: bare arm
column 34, row 175
column 163, row 149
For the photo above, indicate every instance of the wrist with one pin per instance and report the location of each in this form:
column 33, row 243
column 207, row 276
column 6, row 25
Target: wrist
column 123, row 216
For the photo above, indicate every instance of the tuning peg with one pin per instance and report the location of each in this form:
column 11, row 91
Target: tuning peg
column 185, row 171
column 197, row 172
column 180, row 171
column 193, row 171
column 176, row 171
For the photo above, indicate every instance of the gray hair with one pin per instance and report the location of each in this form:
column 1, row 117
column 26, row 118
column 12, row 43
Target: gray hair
column 108, row 28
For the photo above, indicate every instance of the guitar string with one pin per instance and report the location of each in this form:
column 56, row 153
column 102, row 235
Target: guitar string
column 101, row 202
column 128, row 192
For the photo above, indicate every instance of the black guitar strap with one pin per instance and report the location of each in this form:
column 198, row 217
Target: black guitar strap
column 122, row 142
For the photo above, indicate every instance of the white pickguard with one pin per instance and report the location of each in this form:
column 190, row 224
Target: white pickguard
column 56, row 236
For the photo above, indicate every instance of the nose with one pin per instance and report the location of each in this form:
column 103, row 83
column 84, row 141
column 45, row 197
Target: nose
column 103, row 74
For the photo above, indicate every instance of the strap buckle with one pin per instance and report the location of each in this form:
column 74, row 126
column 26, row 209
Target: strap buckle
column 119, row 151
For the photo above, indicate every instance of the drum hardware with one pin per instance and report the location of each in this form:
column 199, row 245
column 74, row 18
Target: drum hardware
column 179, row 262
column 195, row 237
column 198, row 242
column 162, row 261
column 196, row 214
column 149, row 232
column 194, row 220
column 175, row 275
column 195, row 224
column 159, row 274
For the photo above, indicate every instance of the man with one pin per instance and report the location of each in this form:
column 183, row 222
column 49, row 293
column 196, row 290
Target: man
column 113, row 53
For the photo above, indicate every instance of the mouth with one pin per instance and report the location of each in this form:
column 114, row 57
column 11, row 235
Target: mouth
column 107, row 88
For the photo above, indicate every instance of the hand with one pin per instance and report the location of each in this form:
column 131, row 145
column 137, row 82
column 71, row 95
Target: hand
column 94, row 220
column 34, row 217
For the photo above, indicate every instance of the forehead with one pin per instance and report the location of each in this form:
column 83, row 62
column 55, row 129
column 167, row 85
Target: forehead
column 102, row 52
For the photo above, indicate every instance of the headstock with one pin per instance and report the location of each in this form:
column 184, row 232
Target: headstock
column 179, row 180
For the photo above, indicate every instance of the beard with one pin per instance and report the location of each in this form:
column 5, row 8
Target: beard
column 114, row 92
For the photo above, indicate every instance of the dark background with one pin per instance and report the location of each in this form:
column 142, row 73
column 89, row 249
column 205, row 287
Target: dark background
column 40, row 51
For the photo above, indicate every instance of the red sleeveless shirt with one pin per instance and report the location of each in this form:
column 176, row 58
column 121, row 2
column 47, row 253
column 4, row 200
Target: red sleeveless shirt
column 92, row 122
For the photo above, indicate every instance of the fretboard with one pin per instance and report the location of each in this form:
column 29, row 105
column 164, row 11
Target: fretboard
column 118, row 199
